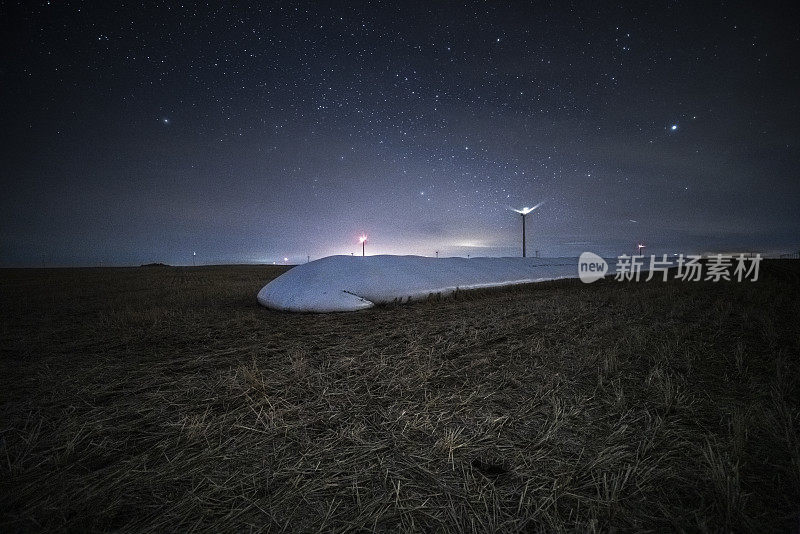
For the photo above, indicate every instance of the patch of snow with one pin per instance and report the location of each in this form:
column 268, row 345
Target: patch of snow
column 350, row 283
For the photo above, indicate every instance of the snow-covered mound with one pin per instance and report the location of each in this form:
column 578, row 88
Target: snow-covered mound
column 349, row 283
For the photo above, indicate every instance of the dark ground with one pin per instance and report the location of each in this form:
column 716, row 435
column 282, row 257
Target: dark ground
column 166, row 399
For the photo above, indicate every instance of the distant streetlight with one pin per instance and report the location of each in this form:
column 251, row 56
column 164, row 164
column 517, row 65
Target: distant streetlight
column 363, row 240
column 639, row 248
column 525, row 211
column 194, row 259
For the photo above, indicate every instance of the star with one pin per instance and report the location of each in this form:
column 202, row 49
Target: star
column 673, row 127
column 165, row 121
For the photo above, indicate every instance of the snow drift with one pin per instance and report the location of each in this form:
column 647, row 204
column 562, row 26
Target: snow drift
column 350, row 283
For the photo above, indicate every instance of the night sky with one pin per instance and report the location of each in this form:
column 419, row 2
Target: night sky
column 136, row 133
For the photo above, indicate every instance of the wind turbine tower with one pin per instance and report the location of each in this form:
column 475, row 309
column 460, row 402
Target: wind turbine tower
column 524, row 212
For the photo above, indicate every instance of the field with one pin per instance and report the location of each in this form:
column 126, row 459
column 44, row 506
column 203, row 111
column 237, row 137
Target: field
column 165, row 399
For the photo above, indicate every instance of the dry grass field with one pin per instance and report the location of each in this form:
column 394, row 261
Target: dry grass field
column 165, row 399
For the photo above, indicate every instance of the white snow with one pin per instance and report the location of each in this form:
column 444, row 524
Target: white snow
column 350, row 283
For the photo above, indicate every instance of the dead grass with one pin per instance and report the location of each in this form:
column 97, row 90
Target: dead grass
column 166, row 399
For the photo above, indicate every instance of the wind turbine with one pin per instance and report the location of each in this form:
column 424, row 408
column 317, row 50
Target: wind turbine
column 525, row 211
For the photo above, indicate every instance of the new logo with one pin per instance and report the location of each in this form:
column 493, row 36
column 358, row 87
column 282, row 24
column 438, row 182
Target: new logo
column 591, row 267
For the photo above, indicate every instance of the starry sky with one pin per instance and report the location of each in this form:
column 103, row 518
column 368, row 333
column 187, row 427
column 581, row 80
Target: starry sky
column 253, row 132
